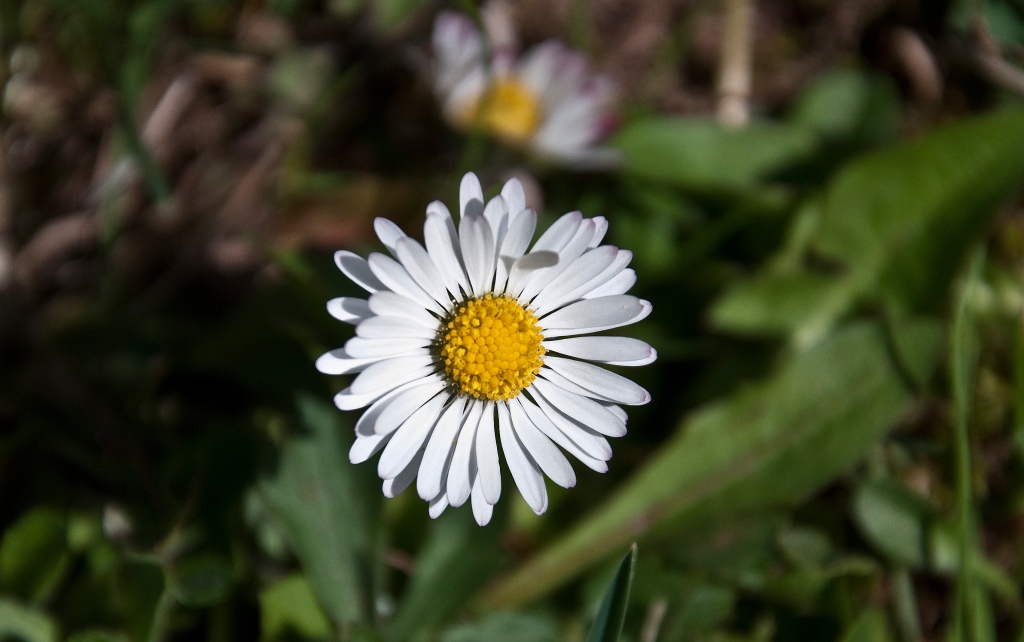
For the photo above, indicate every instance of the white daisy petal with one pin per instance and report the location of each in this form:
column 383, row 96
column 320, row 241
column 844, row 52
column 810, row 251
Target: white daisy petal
column 615, row 351
column 347, row 400
column 544, row 424
column 442, row 246
column 604, row 383
column 517, row 239
column 365, row 447
column 477, row 252
column 392, row 327
column 615, row 410
column 437, row 506
column 348, row 309
column 388, row 233
column 471, row 196
column 394, row 276
column 393, row 487
column 550, row 459
column 364, row 426
column 515, row 197
column 357, row 269
column 566, row 257
column 438, row 452
column 489, row 475
column 392, row 304
column 593, row 315
column 482, row 509
column 586, row 411
column 619, row 284
column 362, row 348
column 496, row 214
column 525, row 266
column 560, row 232
column 438, row 208
column 601, row 224
column 419, row 266
column 338, row 362
column 391, row 373
column 571, row 386
column 567, row 293
column 590, row 441
column 463, row 467
column 582, row 271
column 525, row 471
column 409, row 438
column 519, row 234
column 401, row 406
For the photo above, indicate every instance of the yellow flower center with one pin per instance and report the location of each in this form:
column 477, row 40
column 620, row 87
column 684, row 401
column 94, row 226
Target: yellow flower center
column 508, row 109
column 491, row 348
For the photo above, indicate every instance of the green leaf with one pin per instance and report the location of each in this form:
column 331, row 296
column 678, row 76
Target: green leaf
column 201, row 581
column 773, row 303
column 898, row 221
column 767, row 446
column 289, row 604
column 608, row 624
column 702, row 154
column 870, row 626
column 505, row 627
column 804, row 547
column 315, row 494
column 456, row 561
column 901, row 219
column 847, row 104
column 98, row 635
column 701, row 610
column 25, row 623
column 34, row 555
column 895, row 520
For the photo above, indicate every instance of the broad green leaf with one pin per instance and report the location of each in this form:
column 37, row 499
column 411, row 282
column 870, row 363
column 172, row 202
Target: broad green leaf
column 98, row 635
column 458, row 558
column 33, row 554
column 610, row 618
column 702, row 154
column 314, row 493
column 902, row 218
column 25, row 623
column 701, row 610
column 870, row 626
column 846, row 104
column 899, row 221
column 290, row 604
column 804, row 547
column 895, row 520
column 767, row 446
column 774, row 303
column 505, row 627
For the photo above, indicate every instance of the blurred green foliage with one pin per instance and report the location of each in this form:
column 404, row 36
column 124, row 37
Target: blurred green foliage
column 835, row 450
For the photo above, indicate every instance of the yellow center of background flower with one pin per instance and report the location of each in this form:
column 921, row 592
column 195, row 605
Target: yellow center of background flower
column 508, row 109
column 491, row 348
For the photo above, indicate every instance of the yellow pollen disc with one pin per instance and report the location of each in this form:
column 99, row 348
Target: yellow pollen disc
column 491, row 348
column 507, row 109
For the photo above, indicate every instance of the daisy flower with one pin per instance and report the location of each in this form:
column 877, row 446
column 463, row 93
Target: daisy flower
column 546, row 101
column 474, row 342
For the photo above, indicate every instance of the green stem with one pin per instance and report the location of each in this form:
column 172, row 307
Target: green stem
column 962, row 365
column 162, row 614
